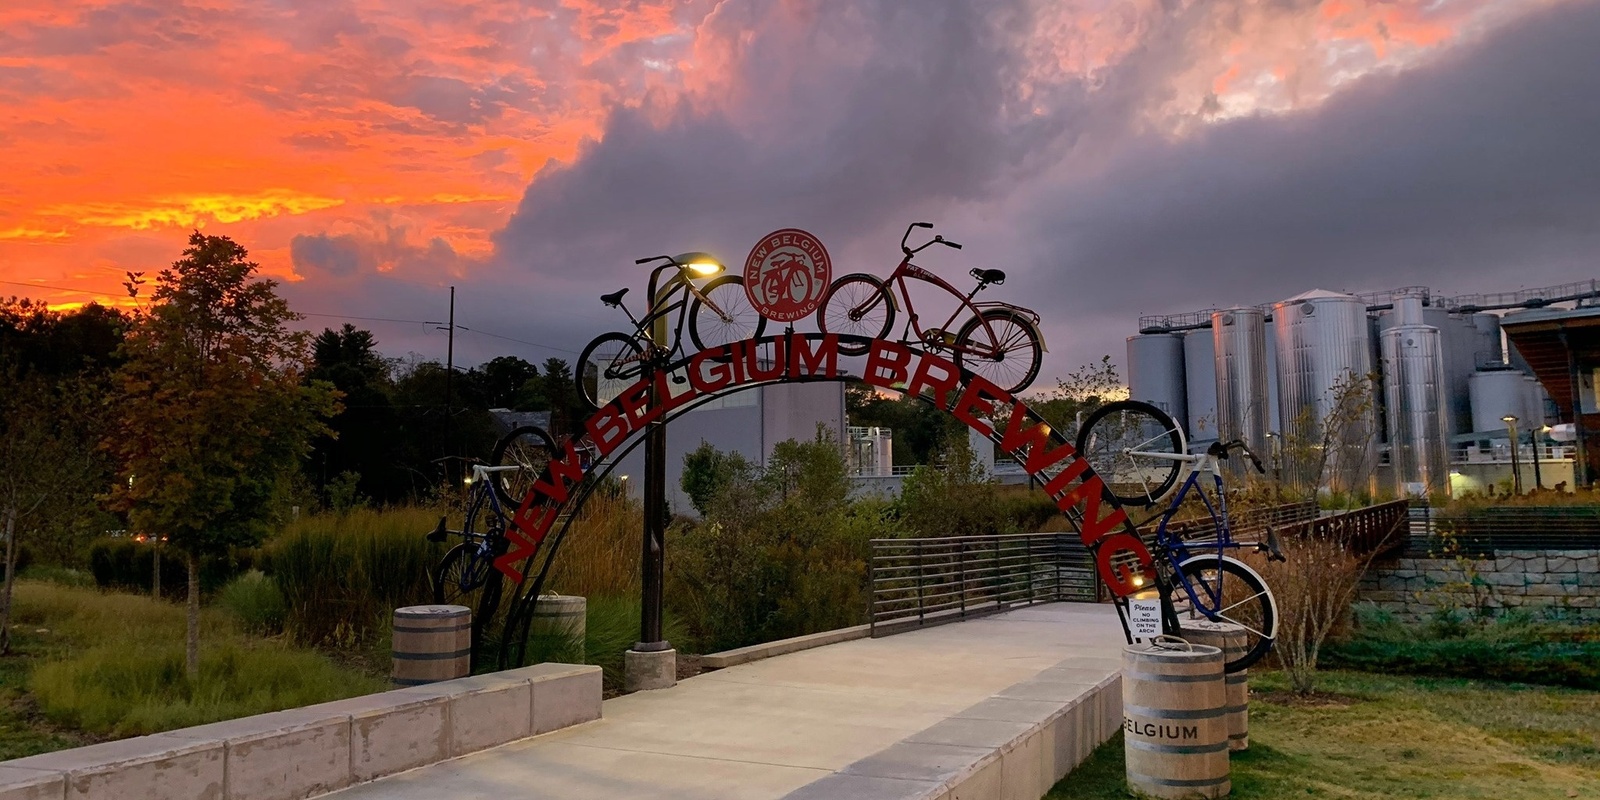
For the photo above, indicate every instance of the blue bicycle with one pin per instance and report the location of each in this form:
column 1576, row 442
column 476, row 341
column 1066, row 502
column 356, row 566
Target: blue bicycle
column 1141, row 454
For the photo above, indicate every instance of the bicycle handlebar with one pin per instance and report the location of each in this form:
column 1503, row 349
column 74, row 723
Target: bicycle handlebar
column 911, row 251
column 1221, row 450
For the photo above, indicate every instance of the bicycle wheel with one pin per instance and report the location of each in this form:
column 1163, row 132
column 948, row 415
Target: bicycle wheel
column 1229, row 591
column 1010, row 359
column 1128, row 444
column 857, row 305
column 738, row 320
column 459, row 576
column 610, row 364
column 530, row 449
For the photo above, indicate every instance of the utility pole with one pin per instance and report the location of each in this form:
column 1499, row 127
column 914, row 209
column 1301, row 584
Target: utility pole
column 449, row 374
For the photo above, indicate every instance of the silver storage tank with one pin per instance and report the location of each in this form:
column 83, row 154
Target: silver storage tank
column 1533, row 411
column 1155, row 372
column 1497, row 394
column 1488, row 347
column 1414, row 390
column 1323, row 346
column 1459, row 341
column 1200, row 373
column 1274, row 421
column 1240, row 338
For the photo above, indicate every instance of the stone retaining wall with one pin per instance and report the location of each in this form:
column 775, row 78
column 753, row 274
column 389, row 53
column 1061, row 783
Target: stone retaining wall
column 1554, row 584
column 304, row 752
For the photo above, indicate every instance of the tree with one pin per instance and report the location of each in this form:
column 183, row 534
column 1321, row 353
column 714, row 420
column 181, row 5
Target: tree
column 1076, row 396
column 363, row 442
column 50, row 471
column 211, row 414
column 503, row 377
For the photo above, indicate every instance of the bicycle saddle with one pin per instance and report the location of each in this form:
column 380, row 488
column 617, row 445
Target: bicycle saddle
column 993, row 276
column 615, row 298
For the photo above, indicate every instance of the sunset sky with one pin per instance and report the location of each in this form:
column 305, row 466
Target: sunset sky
column 1116, row 158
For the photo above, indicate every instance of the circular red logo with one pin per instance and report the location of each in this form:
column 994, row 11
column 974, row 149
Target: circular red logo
column 787, row 275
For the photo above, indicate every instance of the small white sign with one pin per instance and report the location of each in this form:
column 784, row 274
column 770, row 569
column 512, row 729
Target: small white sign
column 1144, row 617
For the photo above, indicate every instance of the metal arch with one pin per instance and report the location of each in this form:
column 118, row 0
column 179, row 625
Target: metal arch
column 1073, row 483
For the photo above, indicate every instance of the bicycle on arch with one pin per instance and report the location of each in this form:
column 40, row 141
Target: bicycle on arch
column 998, row 341
column 530, row 449
column 717, row 313
column 466, row 575
column 1141, row 453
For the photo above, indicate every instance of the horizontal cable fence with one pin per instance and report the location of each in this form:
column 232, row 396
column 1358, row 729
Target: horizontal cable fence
column 918, row 582
column 1485, row 532
column 1246, row 524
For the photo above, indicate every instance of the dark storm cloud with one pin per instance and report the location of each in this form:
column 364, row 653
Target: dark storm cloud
column 1478, row 170
column 845, row 126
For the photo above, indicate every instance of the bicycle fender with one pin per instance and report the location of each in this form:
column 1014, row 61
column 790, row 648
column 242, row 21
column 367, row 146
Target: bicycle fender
column 1271, row 598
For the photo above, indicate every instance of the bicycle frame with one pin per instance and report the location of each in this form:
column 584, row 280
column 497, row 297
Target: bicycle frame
column 1174, row 550
column 906, row 270
column 679, row 301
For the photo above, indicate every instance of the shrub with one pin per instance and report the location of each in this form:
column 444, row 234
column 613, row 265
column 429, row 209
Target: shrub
column 255, row 601
column 342, row 575
column 123, row 562
column 781, row 553
column 1512, row 648
column 954, row 496
column 65, row 576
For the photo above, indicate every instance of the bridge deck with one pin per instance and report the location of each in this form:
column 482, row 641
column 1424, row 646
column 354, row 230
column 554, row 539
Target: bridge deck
column 764, row 729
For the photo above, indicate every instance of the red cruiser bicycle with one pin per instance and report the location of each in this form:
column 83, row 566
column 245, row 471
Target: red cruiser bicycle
column 998, row 341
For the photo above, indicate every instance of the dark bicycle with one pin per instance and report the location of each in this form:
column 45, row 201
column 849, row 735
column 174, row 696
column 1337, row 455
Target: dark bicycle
column 1140, row 453
column 466, row 575
column 716, row 314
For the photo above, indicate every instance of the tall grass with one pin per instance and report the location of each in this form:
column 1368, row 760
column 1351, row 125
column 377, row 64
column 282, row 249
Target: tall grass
column 255, row 601
column 124, row 691
column 342, row 575
column 613, row 627
column 600, row 554
column 118, row 665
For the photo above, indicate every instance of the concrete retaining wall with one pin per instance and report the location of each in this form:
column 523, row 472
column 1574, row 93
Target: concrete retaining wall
column 1016, row 744
column 1561, row 584
column 303, row 752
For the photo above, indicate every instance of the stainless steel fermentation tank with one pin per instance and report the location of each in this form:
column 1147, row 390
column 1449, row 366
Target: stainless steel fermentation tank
column 1240, row 339
column 1415, row 401
column 1200, row 373
column 1156, row 373
column 1325, row 394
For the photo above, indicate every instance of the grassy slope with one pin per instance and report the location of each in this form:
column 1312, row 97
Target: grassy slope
column 91, row 666
column 1401, row 737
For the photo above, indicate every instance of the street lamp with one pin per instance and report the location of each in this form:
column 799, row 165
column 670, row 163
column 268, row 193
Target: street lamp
column 1516, row 471
column 1536, row 435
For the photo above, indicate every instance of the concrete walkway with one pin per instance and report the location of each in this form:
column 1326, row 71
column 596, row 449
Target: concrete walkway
column 764, row 729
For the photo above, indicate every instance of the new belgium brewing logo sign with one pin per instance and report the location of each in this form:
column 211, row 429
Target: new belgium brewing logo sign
column 787, row 275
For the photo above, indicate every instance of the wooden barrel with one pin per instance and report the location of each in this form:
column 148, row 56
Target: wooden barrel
column 1233, row 641
column 1175, row 731
column 557, row 630
column 431, row 643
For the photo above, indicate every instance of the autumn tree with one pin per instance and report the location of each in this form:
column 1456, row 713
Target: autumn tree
column 211, row 413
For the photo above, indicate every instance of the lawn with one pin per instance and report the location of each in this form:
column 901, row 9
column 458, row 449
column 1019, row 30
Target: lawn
column 90, row 666
column 1375, row 736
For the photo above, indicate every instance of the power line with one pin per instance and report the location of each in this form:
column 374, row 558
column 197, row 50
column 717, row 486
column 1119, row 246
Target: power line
column 478, row 331
column 518, row 341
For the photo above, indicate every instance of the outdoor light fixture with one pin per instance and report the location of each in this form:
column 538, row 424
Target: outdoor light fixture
column 700, row 263
column 1509, row 418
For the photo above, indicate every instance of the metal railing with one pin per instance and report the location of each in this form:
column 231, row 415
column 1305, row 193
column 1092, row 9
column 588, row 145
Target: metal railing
column 916, row 582
column 1245, row 524
column 1485, row 532
column 1374, row 529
